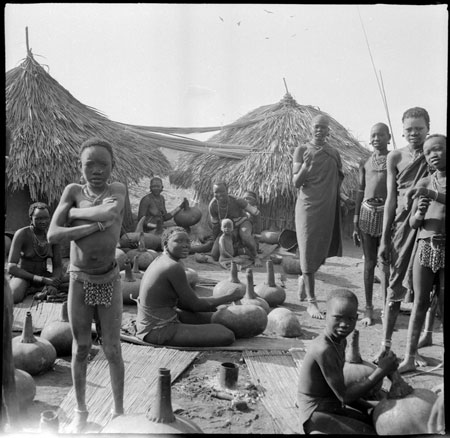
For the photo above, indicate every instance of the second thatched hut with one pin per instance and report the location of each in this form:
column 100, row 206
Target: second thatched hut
column 273, row 132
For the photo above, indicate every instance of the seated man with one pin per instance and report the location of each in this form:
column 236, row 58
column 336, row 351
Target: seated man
column 153, row 207
column 28, row 255
column 225, row 206
column 326, row 405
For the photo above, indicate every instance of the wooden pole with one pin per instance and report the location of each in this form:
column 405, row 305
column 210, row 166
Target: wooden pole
column 26, row 40
column 285, row 85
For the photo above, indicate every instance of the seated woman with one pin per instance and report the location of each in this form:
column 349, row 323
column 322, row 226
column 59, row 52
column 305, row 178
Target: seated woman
column 326, row 405
column 168, row 310
column 28, row 255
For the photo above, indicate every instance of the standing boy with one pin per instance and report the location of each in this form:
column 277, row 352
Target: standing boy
column 405, row 167
column 428, row 216
column 94, row 212
column 317, row 173
column 369, row 208
column 326, row 405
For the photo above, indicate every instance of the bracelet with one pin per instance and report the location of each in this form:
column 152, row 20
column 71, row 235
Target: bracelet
column 101, row 227
column 419, row 216
column 38, row 279
column 386, row 343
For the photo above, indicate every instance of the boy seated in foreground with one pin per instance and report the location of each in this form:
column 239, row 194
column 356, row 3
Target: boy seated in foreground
column 228, row 247
column 325, row 404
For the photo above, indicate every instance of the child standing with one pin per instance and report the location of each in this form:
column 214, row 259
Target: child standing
column 325, row 404
column 369, row 208
column 428, row 216
column 94, row 213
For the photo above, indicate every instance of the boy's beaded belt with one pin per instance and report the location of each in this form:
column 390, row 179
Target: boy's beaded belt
column 371, row 216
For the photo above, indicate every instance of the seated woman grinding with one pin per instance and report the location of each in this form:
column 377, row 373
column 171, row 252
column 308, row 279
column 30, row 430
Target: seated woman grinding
column 30, row 250
column 168, row 310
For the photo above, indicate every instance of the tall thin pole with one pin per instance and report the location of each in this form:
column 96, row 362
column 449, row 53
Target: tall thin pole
column 387, row 111
column 26, row 40
column 285, row 85
column 380, row 84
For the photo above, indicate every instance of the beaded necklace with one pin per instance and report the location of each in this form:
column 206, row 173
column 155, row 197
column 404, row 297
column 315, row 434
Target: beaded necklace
column 379, row 163
column 40, row 248
column 437, row 186
column 92, row 197
column 218, row 210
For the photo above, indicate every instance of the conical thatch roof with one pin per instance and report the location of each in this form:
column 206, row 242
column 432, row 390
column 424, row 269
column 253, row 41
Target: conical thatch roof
column 267, row 169
column 48, row 125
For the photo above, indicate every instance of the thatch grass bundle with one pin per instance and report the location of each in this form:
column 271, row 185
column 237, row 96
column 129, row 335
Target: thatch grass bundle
column 273, row 132
column 48, row 125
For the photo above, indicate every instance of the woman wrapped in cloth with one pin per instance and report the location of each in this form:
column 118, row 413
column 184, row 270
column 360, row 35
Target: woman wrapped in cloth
column 28, row 257
column 369, row 210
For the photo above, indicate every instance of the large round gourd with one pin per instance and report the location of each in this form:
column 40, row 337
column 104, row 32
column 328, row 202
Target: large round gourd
column 251, row 297
column 25, row 388
column 274, row 295
column 283, row 322
column 121, row 258
column 59, row 333
column 357, row 369
column 244, row 320
column 291, row 265
column 230, row 285
column 160, row 418
column 130, row 284
column 32, row 354
column 404, row 416
column 188, row 216
column 150, row 240
column 226, row 287
column 145, row 256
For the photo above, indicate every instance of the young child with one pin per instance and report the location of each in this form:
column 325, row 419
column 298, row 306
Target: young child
column 90, row 216
column 428, row 216
column 369, row 208
column 228, row 246
column 325, row 404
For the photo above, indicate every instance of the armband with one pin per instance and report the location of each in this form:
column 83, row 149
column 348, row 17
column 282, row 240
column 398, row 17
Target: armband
column 101, row 227
column 386, row 343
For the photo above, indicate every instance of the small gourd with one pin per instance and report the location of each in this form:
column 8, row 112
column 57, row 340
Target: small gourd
column 192, row 277
column 25, row 388
column 32, row 354
column 405, row 411
column 130, row 285
column 145, row 256
column 251, row 297
column 356, row 369
column 283, row 322
column 291, row 265
column 273, row 294
column 226, row 287
column 187, row 216
column 244, row 320
column 59, row 333
column 159, row 419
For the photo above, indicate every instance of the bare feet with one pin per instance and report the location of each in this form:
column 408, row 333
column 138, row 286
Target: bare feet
column 313, row 310
column 420, row 361
column 79, row 422
column 407, row 365
column 426, row 339
column 301, row 288
column 368, row 317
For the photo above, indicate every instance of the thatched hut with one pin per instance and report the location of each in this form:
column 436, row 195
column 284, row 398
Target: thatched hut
column 272, row 132
column 47, row 126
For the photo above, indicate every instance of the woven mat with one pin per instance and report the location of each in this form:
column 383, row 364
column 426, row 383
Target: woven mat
column 276, row 374
column 141, row 374
column 42, row 314
column 256, row 343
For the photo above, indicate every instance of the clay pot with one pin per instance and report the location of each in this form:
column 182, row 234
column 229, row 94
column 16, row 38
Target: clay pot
column 273, row 294
column 356, row 369
column 59, row 333
column 160, row 418
column 188, row 216
column 32, row 354
column 251, row 297
column 226, row 287
column 25, row 388
column 291, row 265
column 283, row 322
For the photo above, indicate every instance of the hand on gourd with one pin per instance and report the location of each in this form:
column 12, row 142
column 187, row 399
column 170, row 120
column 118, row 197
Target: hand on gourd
column 388, row 362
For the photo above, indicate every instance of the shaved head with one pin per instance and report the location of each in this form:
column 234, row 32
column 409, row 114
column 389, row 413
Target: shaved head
column 320, row 120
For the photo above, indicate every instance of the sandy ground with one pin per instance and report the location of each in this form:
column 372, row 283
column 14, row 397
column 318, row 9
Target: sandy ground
column 191, row 393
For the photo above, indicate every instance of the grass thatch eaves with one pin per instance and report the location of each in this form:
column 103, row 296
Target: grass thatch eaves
column 267, row 168
column 47, row 126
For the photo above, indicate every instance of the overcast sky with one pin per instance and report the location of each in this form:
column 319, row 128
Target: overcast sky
column 209, row 64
